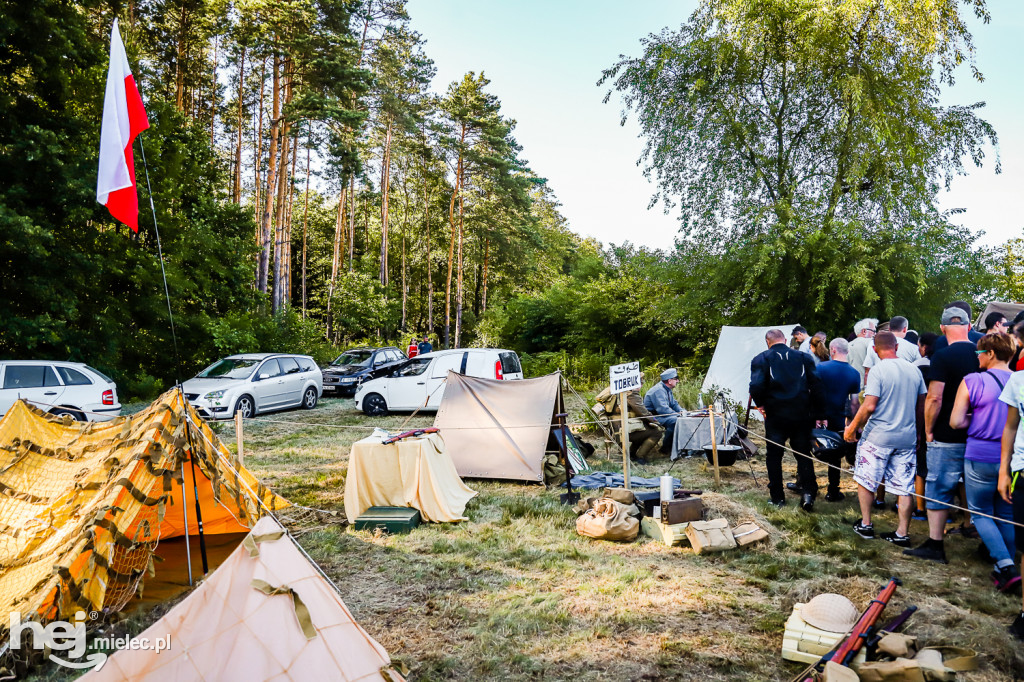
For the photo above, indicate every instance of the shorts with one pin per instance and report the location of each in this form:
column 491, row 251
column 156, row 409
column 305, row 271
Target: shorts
column 875, row 464
column 945, row 470
column 1017, row 479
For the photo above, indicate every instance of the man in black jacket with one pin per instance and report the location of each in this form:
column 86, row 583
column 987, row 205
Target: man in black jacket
column 787, row 390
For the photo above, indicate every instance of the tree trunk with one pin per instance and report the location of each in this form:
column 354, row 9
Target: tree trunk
column 213, row 96
column 459, row 282
column 430, row 264
column 179, row 63
column 385, row 189
column 288, row 224
column 352, row 223
column 487, row 254
column 280, row 277
column 339, row 227
column 451, row 245
column 258, row 154
column 267, row 223
column 236, row 189
column 305, row 223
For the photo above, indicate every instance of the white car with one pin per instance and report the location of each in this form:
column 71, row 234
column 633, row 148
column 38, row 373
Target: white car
column 60, row 388
column 253, row 383
column 418, row 383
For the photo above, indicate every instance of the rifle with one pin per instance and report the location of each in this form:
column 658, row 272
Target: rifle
column 410, row 434
column 847, row 649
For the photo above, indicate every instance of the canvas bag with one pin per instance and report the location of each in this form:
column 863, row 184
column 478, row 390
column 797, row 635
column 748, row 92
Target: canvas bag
column 608, row 520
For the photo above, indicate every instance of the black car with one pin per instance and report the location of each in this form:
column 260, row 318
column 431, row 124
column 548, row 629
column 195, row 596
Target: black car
column 352, row 367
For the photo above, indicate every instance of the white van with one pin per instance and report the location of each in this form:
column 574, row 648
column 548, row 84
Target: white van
column 60, row 388
column 419, row 382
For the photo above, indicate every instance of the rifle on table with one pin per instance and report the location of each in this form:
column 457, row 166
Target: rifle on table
column 848, row 647
column 409, row 434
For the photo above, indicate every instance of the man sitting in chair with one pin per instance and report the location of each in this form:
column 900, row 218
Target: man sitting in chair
column 660, row 402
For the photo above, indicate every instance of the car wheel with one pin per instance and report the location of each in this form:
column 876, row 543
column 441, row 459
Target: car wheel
column 374, row 405
column 245, row 407
column 309, row 398
column 75, row 415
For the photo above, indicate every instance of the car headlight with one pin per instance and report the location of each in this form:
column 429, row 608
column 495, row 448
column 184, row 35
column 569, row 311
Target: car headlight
column 214, row 395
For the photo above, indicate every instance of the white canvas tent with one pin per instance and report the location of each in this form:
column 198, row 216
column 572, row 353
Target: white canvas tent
column 499, row 429
column 264, row 614
column 730, row 365
column 1010, row 310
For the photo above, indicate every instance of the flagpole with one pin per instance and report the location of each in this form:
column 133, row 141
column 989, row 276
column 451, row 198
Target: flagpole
column 177, row 383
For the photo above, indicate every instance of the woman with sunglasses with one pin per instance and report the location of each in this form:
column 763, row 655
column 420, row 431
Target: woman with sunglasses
column 979, row 410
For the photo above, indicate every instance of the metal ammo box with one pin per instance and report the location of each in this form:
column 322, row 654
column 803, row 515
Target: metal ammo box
column 389, row 519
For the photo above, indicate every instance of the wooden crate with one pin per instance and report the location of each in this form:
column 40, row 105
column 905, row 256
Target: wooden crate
column 669, row 535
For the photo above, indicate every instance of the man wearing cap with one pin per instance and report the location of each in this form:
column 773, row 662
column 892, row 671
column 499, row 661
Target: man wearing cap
column 660, row 402
column 946, row 445
column 943, row 342
column 785, row 386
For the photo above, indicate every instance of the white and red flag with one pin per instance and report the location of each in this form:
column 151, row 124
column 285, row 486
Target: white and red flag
column 124, row 117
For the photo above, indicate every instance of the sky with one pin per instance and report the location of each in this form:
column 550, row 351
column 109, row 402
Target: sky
column 544, row 58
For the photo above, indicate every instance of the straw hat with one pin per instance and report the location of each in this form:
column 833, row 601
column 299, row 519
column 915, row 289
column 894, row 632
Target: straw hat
column 830, row 612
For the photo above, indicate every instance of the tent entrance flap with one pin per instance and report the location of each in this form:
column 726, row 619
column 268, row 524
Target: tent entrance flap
column 499, row 429
column 730, row 365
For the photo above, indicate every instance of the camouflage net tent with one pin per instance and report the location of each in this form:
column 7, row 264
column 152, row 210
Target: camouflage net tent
column 83, row 505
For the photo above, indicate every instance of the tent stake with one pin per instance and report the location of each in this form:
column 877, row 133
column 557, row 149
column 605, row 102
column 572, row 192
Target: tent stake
column 184, row 509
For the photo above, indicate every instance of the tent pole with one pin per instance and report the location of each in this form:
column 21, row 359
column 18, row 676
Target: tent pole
column 626, row 473
column 184, row 509
column 195, row 484
column 569, row 497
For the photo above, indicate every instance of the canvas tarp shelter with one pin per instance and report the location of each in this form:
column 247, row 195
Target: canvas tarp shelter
column 264, row 614
column 1009, row 310
column 730, row 365
column 497, row 428
column 82, row 505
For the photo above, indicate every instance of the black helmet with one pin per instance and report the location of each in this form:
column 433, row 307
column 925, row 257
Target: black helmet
column 826, row 440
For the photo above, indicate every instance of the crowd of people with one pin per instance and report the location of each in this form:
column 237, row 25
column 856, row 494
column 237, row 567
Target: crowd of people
column 933, row 418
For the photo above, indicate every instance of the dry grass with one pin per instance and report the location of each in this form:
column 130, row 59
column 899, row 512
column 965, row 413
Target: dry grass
column 516, row 594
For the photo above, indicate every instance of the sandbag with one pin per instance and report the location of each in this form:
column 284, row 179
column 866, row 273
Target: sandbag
column 748, row 533
column 710, row 536
column 897, row 645
column 900, row 670
column 608, row 520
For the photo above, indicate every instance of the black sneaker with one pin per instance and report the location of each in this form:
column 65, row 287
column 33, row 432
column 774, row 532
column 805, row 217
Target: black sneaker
column 807, row 502
column 795, row 487
column 1006, row 579
column 1017, row 629
column 878, row 504
column 835, row 496
column 779, row 504
column 926, row 551
column 898, row 540
column 867, row 532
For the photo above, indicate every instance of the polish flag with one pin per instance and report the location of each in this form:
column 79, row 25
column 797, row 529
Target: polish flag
column 124, row 117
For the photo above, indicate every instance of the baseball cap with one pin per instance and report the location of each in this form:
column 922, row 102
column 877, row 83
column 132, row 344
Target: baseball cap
column 949, row 313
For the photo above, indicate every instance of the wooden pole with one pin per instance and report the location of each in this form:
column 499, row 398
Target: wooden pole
column 624, row 408
column 238, row 436
column 714, row 445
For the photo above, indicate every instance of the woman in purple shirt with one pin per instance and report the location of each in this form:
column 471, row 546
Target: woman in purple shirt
column 979, row 410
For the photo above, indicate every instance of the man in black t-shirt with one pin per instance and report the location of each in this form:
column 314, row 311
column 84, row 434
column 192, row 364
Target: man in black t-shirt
column 946, row 445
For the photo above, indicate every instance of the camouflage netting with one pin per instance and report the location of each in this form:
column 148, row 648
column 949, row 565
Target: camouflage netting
column 83, row 505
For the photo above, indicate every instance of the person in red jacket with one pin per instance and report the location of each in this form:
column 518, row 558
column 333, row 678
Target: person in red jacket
column 413, row 349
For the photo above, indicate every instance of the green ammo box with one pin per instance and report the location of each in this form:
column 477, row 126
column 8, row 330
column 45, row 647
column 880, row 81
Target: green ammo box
column 389, row 519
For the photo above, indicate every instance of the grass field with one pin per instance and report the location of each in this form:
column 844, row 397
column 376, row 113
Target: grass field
column 516, row 594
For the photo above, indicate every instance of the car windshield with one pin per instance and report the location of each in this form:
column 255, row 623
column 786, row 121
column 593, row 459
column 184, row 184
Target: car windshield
column 353, row 358
column 229, row 368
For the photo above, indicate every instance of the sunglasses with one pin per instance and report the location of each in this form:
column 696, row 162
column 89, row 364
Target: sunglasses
column 980, row 352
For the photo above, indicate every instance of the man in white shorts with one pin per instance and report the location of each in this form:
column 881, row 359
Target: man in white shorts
column 892, row 415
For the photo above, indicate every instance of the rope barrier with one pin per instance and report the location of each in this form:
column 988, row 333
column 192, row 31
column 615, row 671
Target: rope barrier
column 911, row 494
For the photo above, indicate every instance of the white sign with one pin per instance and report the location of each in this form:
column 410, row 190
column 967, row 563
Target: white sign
column 625, row 377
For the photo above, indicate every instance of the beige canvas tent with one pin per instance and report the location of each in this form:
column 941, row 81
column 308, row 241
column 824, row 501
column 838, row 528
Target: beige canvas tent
column 499, row 429
column 265, row 614
column 1010, row 310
